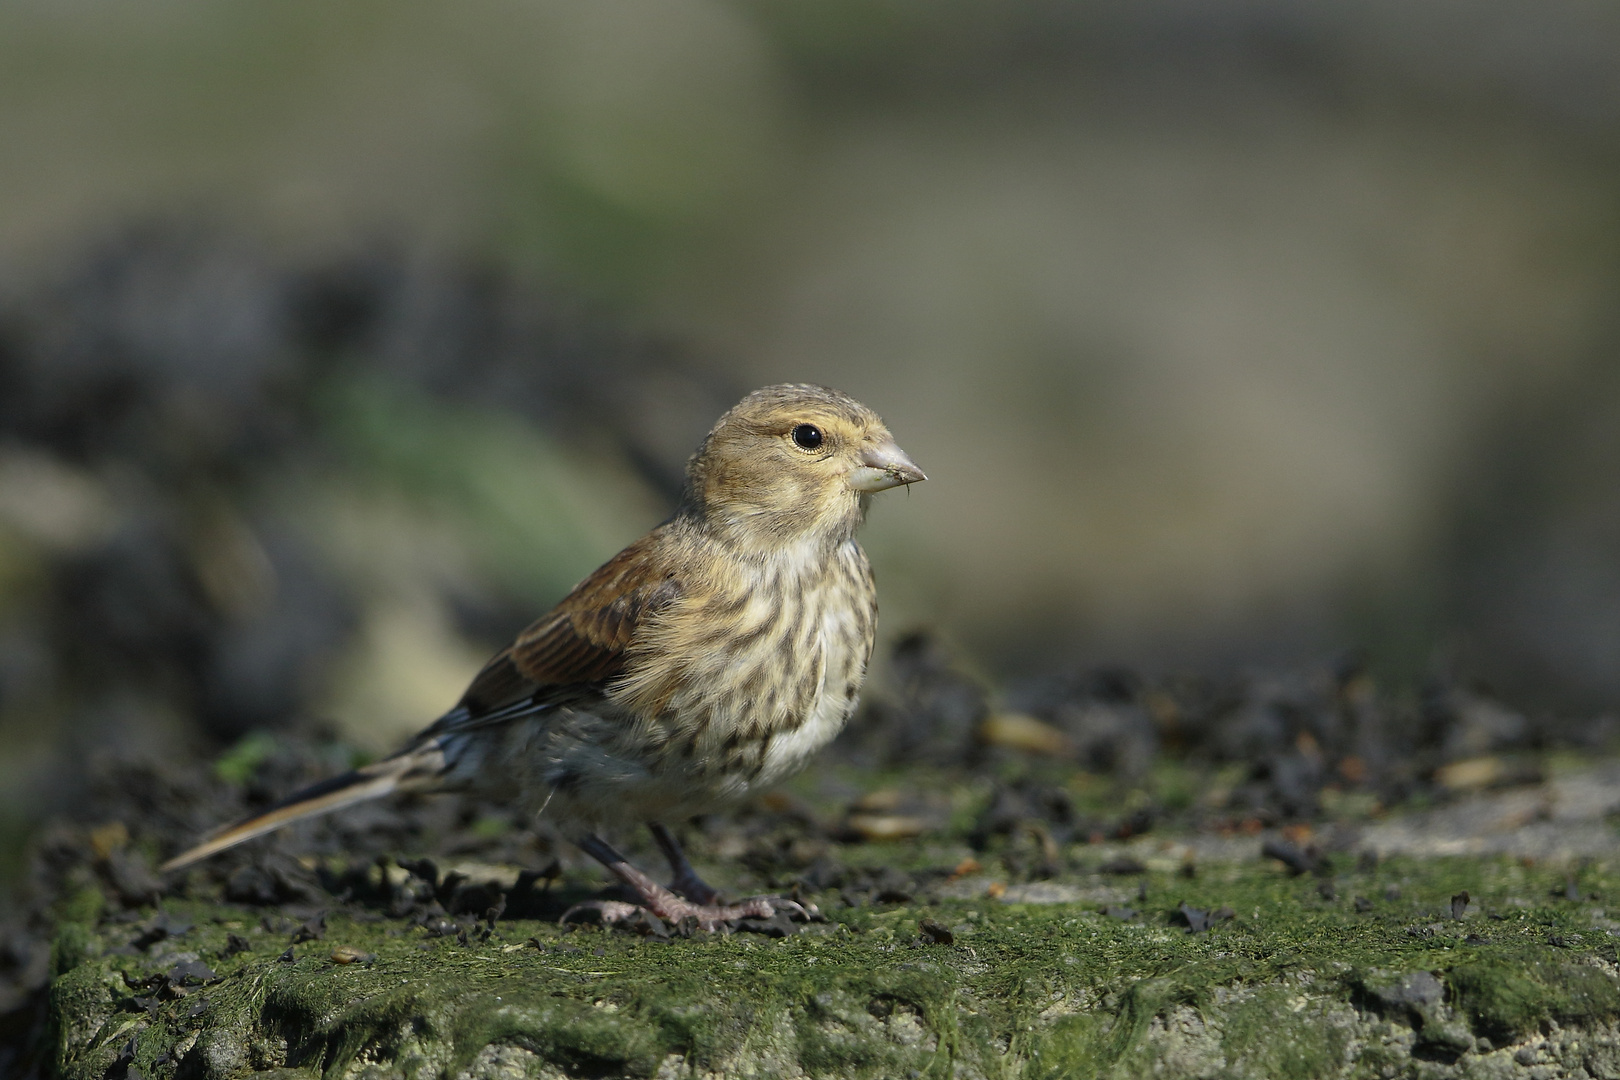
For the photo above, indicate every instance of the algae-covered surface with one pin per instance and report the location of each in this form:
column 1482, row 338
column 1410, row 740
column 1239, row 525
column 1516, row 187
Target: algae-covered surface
column 1017, row 916
column 1363, row 968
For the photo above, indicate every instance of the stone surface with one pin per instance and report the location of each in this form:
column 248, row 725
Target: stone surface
column 1296, row 984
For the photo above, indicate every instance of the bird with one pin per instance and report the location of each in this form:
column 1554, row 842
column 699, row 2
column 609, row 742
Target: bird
column 707, row 660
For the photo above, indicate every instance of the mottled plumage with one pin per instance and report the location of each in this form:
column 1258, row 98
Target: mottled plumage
column 710, row 657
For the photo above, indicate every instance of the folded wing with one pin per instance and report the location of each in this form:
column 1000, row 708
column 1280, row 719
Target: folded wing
column 565, row 658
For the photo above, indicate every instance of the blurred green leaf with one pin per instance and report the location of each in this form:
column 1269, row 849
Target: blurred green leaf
column 536, row 517
column 238, row 764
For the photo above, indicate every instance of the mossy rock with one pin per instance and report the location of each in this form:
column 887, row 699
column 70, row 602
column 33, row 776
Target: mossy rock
column 1301, row 981
column 1510, row 997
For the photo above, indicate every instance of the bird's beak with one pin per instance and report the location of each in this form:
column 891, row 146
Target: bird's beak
column 884, row 465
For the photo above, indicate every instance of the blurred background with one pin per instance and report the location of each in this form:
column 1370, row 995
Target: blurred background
column 338, row 341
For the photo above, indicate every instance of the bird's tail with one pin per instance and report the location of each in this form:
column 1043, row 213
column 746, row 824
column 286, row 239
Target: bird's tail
column 418, row 768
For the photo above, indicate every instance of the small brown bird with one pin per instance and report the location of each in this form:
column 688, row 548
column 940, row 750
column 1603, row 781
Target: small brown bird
column 707, row 659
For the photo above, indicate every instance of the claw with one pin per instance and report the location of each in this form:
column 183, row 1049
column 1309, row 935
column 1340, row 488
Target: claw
column 608, row 912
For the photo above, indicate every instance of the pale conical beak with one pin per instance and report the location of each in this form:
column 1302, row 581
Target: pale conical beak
column 884, row 465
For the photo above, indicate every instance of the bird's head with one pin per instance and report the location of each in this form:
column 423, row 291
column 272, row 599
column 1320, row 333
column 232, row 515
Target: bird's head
column 794, row 461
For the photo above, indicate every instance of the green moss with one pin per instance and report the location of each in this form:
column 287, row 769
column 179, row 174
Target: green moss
column 1084, row 1045
column 1029, row 990
column 1502, row 1001
column 1285, row 1034
column 83, row 906
column 75, row 939
column 1582, row 994
column 1107, row 1041
column 1510, row 997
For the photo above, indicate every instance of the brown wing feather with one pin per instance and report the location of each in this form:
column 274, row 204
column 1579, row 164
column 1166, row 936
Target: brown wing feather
column 580, row 643
column 564, row 657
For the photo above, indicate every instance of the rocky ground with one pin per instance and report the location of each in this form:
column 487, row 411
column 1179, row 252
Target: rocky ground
column 1238, row 971
column 1022, row 912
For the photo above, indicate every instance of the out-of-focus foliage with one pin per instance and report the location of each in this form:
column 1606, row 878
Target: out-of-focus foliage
column 1231, row 330
column 1227, row 333
column 240, row 494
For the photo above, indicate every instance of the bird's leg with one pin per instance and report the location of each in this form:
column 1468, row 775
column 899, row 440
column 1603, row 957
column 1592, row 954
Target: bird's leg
column 665, row 904
column 686, row 882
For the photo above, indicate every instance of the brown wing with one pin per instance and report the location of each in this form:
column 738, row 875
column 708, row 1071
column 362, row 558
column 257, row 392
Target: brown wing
column 571, row 652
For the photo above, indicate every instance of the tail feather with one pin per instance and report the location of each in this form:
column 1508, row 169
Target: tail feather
column 416, row 769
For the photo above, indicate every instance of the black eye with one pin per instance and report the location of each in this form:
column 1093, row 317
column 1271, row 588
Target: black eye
column 807, row 437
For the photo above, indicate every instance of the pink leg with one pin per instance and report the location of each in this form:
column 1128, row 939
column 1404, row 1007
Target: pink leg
column 686, row 883
column 665, row 904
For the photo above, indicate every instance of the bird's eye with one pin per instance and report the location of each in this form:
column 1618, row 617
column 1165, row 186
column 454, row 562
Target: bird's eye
column 807, row 437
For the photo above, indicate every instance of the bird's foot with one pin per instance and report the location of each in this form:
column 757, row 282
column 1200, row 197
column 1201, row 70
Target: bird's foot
column 677, row 911
column 701, row 907
column 716, row 916
column 620, row 914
